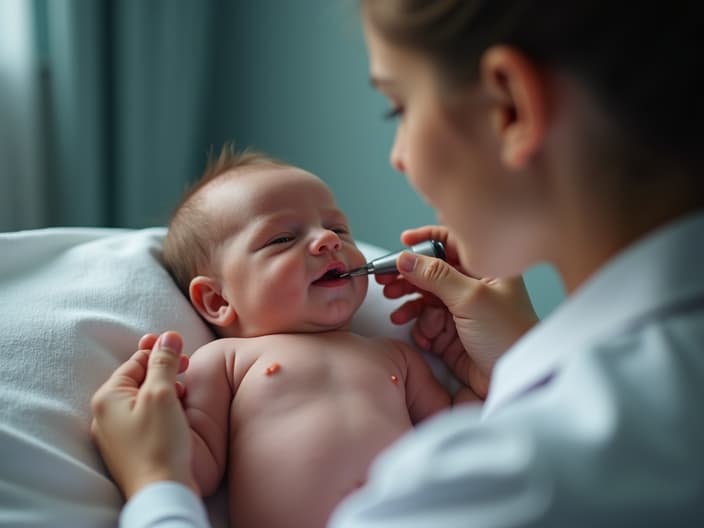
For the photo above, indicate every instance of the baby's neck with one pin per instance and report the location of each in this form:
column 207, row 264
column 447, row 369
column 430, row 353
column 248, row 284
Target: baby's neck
column 229, row 332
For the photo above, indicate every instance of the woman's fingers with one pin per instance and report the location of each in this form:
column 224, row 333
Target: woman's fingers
column 165, row 362
column 147, row 341
column 432, row 232
column 444, row 329
column 408, row 311
column 437, row 277
column 129, row 375
column 118, row 392
column 400, row 288
column 420, row 234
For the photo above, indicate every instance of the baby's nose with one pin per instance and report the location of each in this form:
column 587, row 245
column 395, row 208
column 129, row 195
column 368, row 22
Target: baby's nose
column 326, row 240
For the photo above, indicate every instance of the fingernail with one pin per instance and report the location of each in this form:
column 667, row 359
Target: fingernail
column 171, row 341
column 407, row 262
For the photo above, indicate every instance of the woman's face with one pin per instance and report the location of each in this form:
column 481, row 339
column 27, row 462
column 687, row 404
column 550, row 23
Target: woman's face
column 446, row 148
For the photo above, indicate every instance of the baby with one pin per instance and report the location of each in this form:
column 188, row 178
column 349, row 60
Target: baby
column 295, row 404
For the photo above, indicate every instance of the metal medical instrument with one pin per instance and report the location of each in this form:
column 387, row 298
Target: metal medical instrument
column 387, row 263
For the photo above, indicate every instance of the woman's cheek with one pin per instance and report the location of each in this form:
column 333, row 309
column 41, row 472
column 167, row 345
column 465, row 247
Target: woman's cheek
column 425, row 182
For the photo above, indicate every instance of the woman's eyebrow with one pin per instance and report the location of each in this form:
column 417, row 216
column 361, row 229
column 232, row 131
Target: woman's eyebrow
column 380, row 82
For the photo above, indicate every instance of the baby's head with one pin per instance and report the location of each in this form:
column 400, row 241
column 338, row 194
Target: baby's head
column 256, row 245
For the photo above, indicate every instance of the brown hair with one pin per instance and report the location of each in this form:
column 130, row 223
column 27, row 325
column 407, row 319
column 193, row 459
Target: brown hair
column 192, row 234
column 640, row 60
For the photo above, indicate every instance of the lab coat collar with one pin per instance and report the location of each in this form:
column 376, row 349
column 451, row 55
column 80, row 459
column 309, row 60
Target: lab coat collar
column 655, row 274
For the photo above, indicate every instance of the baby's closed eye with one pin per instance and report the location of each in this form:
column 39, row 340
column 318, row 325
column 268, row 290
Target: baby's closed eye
column 281, row 239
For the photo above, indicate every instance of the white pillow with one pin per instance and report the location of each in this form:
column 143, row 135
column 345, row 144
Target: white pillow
column 74, row 302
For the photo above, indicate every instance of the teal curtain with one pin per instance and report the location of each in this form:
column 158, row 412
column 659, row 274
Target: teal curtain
column 108, row 111
column 124, row 92
column 21, row 177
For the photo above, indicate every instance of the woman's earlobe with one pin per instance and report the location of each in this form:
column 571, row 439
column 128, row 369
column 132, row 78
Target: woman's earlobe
column 208, row 300
column 517, row 92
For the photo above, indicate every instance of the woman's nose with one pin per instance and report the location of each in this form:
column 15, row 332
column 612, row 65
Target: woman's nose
column 325, row 240
column 398, row 154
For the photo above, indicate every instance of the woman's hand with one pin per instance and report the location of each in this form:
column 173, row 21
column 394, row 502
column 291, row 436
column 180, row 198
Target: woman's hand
column 468, row 322
column 139, row 424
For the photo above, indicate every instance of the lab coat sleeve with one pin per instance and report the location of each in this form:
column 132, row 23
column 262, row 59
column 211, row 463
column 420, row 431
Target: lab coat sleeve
column 451, row 472
column 164, row 505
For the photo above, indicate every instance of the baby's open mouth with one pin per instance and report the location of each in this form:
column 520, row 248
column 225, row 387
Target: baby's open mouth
column 330, row 275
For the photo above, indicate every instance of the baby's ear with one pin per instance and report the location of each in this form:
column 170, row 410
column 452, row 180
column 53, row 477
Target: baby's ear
column 206, row 297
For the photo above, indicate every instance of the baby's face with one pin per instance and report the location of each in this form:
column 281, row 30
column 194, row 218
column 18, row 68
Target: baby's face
column 285, row 239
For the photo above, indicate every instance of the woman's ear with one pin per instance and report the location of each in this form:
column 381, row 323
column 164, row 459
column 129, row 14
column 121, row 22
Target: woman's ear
column 206, row 296
column 518, row 91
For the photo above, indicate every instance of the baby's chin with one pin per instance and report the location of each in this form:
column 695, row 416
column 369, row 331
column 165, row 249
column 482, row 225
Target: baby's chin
column 333, row 320
column 329, row 323
column 335, row 316
column 308, row 327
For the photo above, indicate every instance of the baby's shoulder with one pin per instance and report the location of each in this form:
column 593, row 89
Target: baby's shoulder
column 224, row 347
column 234, row 355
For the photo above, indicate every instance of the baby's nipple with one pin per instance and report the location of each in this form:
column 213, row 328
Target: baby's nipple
column 272, row 369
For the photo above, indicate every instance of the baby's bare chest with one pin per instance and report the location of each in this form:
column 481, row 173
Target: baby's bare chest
column 313, row 370
column 309, row 414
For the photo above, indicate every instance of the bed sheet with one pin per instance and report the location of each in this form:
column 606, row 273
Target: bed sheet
column 74, row 302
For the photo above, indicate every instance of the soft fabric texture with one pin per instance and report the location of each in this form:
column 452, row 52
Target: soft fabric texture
column 74, row 303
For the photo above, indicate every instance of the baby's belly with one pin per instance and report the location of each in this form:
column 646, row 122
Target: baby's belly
column 291, row 469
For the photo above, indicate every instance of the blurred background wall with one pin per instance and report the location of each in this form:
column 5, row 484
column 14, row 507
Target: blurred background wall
column 108, row 109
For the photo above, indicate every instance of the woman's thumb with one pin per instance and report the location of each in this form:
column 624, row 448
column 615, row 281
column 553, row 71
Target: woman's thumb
column 435, row 276
column 164, row 359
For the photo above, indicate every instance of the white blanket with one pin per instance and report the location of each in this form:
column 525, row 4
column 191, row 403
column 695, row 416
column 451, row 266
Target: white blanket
column 74, row 302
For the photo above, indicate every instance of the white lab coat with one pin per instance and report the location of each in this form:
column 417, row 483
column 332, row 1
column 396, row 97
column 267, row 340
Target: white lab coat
column 593, row 419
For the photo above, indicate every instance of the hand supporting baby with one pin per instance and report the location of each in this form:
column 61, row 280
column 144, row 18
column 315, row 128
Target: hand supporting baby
column 139, row 424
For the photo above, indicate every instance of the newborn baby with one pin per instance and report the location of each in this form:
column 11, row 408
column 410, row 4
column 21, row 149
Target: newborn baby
column 288, row 399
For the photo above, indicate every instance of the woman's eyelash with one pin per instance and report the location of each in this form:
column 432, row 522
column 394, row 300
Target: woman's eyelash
column 394, row 112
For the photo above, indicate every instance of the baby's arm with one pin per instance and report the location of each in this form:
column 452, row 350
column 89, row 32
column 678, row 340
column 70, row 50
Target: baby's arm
column 425, row 395
column 207, row 406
